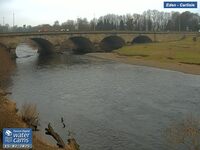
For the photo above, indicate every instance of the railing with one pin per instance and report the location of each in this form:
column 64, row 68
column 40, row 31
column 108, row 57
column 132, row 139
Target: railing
column 88, row 32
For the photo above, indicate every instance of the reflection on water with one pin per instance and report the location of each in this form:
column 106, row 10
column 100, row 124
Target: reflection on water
column 108, row 105
column 26, row 54
column 57, row 59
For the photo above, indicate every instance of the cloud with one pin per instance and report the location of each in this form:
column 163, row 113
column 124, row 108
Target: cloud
column 5, row 1
column 47, row 11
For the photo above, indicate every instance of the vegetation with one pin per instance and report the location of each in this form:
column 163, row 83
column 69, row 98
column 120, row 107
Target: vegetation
column 151, row 20
column 184, row 134
column 30, row 115
column 10, row 119
column 6, row 66
column 8, row 116
column 184, row 51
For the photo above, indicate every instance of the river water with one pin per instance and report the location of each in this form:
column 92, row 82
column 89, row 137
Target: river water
column 106, row 105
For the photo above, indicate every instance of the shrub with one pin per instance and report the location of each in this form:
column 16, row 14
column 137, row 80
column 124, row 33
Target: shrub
column 30, row 115
column 185, row 133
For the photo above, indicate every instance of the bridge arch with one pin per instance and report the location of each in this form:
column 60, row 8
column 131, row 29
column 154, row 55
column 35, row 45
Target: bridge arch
column 45, row 47
column 81, row 45
column 141, row 39
column 112, row 42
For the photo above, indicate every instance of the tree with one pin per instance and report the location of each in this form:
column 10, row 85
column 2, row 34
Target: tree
column 83, row 24
column 121, row 26
column 129, row 22
column 56, row 25
column 69, row 24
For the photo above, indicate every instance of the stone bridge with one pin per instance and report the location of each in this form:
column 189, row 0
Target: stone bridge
column 84, row 42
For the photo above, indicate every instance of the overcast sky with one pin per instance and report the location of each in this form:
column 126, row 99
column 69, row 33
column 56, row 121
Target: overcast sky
column 34, row 12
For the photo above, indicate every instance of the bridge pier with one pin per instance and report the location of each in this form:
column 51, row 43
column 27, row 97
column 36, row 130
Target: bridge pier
column 13, row 53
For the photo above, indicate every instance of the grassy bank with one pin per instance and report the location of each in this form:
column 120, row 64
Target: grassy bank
column 183, row 55
column 10, row 119
column 185, row 51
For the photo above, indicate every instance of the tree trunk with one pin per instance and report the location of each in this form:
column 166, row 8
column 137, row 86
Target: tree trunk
column 50, row 131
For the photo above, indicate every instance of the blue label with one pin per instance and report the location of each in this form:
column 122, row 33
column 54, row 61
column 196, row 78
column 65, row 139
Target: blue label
column 17, row 138
column 172, row 4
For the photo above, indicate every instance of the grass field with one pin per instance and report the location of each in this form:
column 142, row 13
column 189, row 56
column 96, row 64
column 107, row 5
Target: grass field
column 184, row 51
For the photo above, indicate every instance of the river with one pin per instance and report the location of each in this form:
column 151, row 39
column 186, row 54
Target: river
column 106, row 105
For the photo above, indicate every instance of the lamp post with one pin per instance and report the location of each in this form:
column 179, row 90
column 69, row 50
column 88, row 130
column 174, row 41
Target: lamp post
column 94, row 22
column 13, row 19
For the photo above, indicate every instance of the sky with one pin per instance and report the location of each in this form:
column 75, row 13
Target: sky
column 34, row 12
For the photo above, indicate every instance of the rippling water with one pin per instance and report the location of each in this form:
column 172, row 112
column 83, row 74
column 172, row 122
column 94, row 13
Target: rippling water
column 107, row 105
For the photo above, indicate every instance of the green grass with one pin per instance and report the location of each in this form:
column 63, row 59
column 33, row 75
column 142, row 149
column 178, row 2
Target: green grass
column 184, row 51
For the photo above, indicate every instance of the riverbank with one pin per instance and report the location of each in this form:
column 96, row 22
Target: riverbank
column 8, row 111
column 10, row 119
column 183, row 56
column 185, row 68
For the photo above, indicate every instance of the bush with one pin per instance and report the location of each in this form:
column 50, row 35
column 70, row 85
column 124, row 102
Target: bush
column 30, row 115
column 185, row 133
